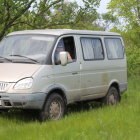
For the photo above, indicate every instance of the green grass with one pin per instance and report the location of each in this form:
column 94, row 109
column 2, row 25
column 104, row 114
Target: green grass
column 121, row 122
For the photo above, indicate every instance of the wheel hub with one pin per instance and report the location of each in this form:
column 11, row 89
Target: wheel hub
column 112, row 99
column 55, row 110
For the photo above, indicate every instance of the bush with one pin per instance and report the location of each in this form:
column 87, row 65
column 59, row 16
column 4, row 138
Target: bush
column 133, row 60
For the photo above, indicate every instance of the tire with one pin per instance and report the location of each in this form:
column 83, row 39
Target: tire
column 54, row 108
column 112, row 97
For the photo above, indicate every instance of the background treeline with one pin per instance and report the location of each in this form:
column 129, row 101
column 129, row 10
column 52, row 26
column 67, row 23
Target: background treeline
column 123, row 17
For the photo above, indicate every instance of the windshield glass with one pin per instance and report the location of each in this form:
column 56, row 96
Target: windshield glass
column 26, row 48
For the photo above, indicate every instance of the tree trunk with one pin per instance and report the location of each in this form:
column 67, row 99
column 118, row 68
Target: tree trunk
column 2, row 33
column 138, row 9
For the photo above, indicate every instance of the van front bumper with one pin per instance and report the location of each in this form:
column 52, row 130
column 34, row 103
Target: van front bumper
column 23, row 101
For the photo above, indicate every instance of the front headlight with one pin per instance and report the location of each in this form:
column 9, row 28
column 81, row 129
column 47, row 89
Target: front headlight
column 24, row 84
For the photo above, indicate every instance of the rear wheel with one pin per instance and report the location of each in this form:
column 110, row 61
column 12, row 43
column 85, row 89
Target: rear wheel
column 54, row 108
column 112, row 97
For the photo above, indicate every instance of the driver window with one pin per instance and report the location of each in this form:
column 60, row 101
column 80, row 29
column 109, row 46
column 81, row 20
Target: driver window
column 66, row 44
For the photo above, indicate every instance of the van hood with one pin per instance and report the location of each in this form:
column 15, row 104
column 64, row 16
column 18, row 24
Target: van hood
column 10, row 72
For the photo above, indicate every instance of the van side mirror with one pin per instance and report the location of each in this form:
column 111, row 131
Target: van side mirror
column 63, row 58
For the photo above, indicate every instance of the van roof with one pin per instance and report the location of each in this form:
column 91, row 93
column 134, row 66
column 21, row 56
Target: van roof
column 59, row 32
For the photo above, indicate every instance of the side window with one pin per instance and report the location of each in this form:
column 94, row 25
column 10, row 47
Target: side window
column 66, row 44
column 114, row 48
column 92, row 49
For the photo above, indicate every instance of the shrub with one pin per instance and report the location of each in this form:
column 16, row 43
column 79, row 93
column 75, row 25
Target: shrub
column 133, row 60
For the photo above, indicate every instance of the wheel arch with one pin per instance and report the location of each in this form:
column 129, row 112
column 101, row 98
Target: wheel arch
column 56, row 89
column 115, row 84
column 60, row 91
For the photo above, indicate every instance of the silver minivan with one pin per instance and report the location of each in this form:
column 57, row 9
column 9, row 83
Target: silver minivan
column 46, row 70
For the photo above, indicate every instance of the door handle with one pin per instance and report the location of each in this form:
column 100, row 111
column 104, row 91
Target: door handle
column 74, row 73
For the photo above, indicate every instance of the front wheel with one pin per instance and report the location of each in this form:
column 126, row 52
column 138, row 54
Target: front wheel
column 112, row 97
column 54, row 108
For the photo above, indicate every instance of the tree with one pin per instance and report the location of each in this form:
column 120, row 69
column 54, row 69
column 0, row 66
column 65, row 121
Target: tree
column 106, row 21
column 41, row 14
column 128, row 12
column 11, row 11
column 65, row 14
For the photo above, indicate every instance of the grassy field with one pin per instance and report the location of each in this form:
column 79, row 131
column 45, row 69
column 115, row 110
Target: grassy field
column 121, row 122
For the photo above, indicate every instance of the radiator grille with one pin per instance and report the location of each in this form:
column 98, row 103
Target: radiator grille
column 4, row 86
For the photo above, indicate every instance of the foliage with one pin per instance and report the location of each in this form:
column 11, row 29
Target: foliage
column 11, row 12
column 119, row 122
column 106, row 21
column 133, row 59
column 41, row 14
column 128, row 13
column 128, row 10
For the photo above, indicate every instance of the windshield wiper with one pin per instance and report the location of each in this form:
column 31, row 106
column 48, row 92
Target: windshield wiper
column 6, row 58
column 25, row 57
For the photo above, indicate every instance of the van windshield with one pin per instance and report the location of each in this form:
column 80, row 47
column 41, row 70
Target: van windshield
column 26, row 48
